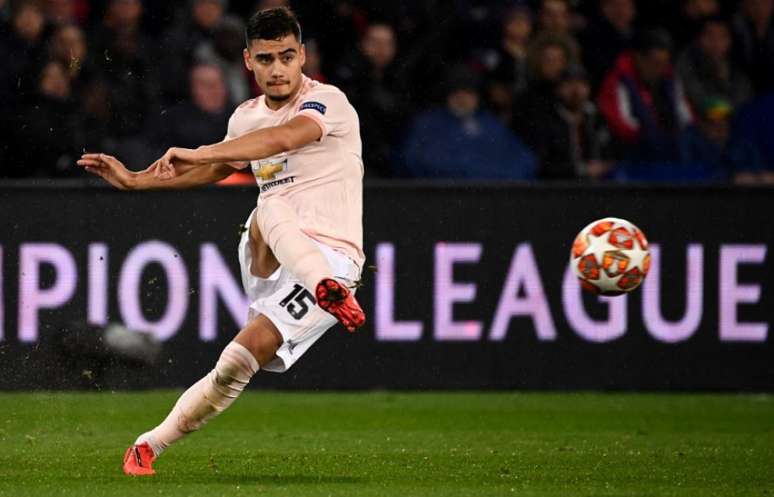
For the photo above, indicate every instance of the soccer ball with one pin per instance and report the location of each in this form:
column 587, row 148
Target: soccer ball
column 610, row 257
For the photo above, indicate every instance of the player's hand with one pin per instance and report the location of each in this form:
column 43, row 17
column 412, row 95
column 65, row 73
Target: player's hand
column 108, row 168
column 158, row 172
column 175, row 156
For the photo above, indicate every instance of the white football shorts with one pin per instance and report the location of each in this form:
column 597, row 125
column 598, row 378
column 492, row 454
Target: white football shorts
column 292, row 308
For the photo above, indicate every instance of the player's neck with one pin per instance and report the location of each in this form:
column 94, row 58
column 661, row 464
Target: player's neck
column 278, row 104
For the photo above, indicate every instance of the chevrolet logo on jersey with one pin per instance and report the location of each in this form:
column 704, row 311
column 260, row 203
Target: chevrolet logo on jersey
column 267, row 170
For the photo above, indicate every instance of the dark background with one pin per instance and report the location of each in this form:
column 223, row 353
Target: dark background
column 413, row 218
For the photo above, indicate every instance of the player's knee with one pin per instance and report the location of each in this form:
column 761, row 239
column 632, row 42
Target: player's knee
column 226, row 372
column 235, row 366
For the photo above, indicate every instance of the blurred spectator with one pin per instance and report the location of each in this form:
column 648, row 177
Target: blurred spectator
column 270, row 4
column 45, row 140
column 116, row 83
column 643, row 102
column 706, row 69
column 120, row 16
column 509, row 75
column 754, row 42
column 571, row 140
column 708, row 146
column 182, row 41
column 313, row 64
column 462, row 141
column 548, row 58
column 753, row 123
column 66, row 11
column 608, row 36
column 126, row 65
column 373, row 85
column 225, row 51
column 201, row 120
column 206, row 14
column 95, row 116
column 21, row 47
column 334, row 26
column 133, row 82
column 68, row 46
column 554, row 17
column 121, row 24
column 689, row 20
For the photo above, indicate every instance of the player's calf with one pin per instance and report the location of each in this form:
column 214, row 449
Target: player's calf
column 336, row 299
column 201, row 402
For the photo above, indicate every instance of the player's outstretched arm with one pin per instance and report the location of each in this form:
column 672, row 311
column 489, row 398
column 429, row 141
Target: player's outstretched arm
column 255, row 145
column 186, row 176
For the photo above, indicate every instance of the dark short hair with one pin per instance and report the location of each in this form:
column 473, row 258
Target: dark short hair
column 652, row 39
column 272, row 24
column 461, row 77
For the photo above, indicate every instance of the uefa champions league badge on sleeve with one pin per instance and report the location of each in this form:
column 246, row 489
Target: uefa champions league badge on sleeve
column 321, row 108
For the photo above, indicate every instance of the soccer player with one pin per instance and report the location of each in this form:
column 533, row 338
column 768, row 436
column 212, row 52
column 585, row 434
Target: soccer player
column 302, row 251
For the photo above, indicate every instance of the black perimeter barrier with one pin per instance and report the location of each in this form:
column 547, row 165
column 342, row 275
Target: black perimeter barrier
column 471, row 289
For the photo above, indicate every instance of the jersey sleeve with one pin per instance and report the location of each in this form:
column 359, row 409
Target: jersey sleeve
column 330, row 109
column 230, row 135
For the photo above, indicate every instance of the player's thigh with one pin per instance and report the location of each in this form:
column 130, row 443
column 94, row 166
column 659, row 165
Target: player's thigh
column 263, row 262
column 261, row 338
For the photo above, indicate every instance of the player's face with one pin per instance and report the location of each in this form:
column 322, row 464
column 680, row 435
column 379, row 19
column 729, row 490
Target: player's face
column 277, row 66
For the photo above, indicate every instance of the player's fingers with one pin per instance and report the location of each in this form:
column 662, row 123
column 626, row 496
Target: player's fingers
column 94, row 170
column 89, row 163
column 167, row 173
column 156, row 168
column 166, row 169
column 90, row 156
column 109, row 160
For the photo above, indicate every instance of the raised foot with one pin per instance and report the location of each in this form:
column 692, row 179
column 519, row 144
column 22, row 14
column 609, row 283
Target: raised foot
column 336, row 299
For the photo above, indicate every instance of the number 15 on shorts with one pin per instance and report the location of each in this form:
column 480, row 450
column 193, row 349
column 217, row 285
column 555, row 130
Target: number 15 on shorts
column 298, row 301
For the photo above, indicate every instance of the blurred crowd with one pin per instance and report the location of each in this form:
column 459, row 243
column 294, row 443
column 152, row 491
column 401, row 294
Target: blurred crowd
column 600, row 90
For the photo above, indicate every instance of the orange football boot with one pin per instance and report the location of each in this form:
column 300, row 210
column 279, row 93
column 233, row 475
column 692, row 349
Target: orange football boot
column 336, row 299
column 138, row 460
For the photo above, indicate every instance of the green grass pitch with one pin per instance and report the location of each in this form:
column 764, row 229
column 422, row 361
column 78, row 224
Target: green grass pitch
column 397, row 444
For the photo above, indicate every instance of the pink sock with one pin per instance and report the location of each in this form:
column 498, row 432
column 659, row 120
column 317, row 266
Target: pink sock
column 206, row 399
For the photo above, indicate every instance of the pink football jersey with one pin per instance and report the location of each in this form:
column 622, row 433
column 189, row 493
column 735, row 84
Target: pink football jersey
column 323, row 180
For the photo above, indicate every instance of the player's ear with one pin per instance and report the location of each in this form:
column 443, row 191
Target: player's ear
column 248, row 59
column 302, row 55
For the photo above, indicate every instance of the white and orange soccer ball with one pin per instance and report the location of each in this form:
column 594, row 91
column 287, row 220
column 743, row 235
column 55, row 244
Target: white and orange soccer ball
column 610, row 257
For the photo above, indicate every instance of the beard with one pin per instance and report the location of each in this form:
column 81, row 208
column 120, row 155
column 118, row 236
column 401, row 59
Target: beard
column 280, row 94
column 278, row 98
